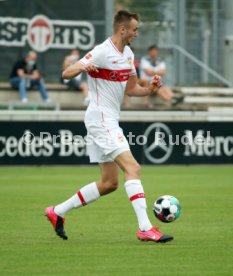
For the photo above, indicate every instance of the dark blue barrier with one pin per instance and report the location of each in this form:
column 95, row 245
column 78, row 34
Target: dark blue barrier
column 37, row 143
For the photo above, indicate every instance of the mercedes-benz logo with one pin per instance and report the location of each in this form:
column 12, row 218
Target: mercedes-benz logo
column 113, row 75
column 157, row 149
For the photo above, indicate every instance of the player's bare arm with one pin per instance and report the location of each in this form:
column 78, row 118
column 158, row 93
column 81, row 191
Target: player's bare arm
column 76, row 69
column 134, row 89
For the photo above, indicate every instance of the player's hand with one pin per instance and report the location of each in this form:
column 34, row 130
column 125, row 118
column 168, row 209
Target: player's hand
column 156, row 83
column 91, row 68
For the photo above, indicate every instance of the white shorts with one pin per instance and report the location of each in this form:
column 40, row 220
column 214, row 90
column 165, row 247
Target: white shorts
column 105, row 142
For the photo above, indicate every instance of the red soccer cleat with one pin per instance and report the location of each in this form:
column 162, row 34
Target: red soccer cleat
column 153, row 235
column 57, row 222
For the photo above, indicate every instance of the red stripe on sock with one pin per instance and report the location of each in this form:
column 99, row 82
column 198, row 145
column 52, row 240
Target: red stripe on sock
column 141, row 195
column 81, row 198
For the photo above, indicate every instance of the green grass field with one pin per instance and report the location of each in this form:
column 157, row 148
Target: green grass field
column 102, row 235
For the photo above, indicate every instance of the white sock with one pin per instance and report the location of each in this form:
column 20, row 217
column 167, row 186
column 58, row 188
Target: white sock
column 136, row 195
column 86, row 195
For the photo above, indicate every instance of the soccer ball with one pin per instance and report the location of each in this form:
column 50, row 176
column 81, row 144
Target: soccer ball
column 167, row 208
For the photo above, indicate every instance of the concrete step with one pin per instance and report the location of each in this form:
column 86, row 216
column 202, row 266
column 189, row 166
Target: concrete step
column 32, row 105
column 204, row 91
column 209, row 100
column 50, row 86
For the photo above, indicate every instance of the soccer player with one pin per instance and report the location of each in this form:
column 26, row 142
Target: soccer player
column 111, row 73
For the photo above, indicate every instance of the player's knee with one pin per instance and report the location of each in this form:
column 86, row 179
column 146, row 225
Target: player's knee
column 133, row 171
column 112, row 186
column 109, row 186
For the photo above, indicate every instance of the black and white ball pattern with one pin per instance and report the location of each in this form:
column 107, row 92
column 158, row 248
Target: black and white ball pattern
column 167, row 208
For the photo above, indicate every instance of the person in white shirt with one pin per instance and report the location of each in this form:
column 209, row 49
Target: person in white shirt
column 111, row 73
column 77, row 82
column 151, row 65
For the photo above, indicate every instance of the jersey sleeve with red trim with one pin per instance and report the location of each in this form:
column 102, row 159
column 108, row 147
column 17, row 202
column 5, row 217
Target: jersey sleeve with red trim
column 131, row 62
column 95, row 56
column 133, row 70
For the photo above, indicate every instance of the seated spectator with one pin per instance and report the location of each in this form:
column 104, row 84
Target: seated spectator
column 25, row 75
column 77, row 83
column 151, row 65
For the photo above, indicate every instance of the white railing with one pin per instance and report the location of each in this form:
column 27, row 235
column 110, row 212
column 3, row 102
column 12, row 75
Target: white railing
column 199, row 63
column 216, row 114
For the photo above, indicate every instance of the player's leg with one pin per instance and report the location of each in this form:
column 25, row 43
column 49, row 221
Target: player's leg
column 56, row 214
column 87, row 194
column 91, row 192
column 135, row 192
column 134, row 187
column 109, row 178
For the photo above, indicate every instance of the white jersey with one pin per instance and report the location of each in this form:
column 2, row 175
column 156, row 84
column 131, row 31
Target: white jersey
column 147, row 63
column 107, row 87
